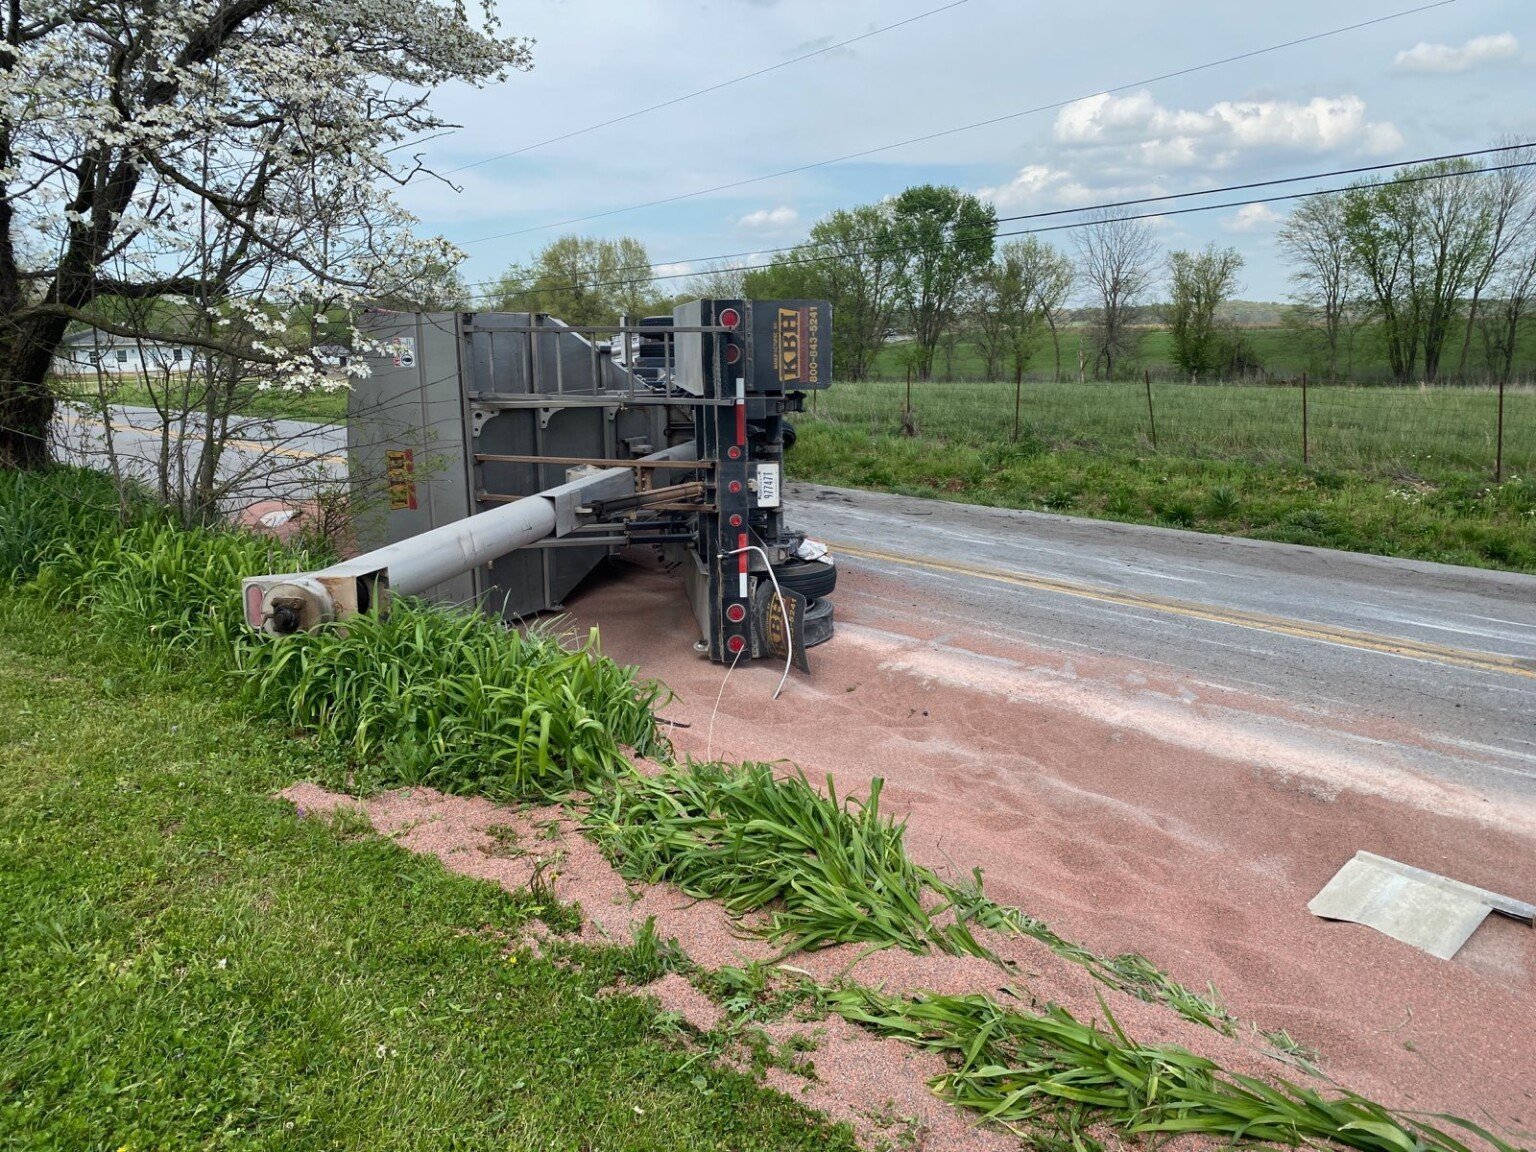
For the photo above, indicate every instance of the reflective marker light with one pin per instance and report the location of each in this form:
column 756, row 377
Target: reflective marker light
column 735, row 643
column 735, row 613
column 729, row 318
column 735, row 520
column 732, row 353
column 735, row 486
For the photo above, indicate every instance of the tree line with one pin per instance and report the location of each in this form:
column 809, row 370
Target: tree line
column 1438, row 263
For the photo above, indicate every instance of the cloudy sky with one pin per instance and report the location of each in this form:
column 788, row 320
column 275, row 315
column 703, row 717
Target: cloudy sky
column 1451, row 78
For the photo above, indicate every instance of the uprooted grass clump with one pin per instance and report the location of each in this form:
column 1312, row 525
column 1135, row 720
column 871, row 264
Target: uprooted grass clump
column 1031, row 1071
column 1128, row 972
column 831, row 872
column 425, row 695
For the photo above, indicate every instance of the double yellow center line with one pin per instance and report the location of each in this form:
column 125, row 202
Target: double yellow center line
column 1301, row 630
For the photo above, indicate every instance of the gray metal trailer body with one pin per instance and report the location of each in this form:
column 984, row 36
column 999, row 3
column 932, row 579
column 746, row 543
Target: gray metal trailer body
column 497, row 458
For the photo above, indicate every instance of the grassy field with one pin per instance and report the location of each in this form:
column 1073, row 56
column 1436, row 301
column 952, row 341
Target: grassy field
column 1407, row 431
column 1453, row 517
column 187, row 964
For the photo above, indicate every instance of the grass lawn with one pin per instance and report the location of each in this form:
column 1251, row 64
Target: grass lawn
column 1456, row 518
column 188, row 964
column 319, row 407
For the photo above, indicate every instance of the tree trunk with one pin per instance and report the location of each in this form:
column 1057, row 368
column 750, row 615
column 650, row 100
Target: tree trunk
column 1466, row 340
column 26, row 402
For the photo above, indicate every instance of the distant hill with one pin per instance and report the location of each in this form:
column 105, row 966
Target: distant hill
column 1243, row 313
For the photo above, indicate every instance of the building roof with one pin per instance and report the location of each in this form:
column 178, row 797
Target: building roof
column 95, row 338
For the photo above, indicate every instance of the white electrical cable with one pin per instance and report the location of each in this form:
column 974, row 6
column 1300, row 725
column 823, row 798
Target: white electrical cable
column 709, row 738
column 789, row 638
column 789, row 644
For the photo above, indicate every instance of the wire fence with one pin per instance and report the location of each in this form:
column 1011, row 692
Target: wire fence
column 1413, row 430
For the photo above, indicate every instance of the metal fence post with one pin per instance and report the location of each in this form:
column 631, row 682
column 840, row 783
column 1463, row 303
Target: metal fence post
column 1306, row 447
column 1151, row 416
column 1498, row 456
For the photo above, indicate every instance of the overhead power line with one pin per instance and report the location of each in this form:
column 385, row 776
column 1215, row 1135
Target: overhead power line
column 1101, row 207
column 1051, row 107
column 712, row 88
column 1074, row 224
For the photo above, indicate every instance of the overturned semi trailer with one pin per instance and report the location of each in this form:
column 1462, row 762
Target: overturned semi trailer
column 499, row 457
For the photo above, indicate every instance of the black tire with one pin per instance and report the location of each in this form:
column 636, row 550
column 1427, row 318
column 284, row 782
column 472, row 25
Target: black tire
column 818, row 622
column 790, row 436
column 811, row 578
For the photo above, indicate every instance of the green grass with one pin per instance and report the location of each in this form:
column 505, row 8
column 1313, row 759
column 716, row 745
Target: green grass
column 1050, row 1074
column 187, row 964
column 277, row 404
column 1428, row 432
column 1448, row 516
column 830, row 873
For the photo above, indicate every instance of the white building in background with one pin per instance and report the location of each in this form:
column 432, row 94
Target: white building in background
column 89, row 349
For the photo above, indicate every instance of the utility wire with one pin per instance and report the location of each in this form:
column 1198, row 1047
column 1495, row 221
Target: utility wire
column 712, row 88
column 1053, row 106
column 1106, row 206
column 1071, row 225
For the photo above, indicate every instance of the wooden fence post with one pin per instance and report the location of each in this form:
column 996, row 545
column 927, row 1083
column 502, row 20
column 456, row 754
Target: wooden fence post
column 1151, row 416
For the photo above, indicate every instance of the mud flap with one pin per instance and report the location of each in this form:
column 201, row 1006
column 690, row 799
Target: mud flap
column 772, row 640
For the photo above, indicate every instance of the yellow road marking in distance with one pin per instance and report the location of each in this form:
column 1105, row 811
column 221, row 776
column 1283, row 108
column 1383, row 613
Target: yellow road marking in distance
column 1325, row 633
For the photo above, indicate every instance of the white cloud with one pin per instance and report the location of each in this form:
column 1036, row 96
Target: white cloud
column 1252, row 218
column 1037, row 184
column 1427, row 57
column 1153, row 135
column 769, row 219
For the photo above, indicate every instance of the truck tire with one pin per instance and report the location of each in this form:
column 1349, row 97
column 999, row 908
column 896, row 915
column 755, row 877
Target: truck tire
column 818, row 622
column 811, row 578
column 790, row 436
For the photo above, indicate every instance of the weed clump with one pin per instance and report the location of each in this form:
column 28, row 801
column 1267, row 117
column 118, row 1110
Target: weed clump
column 832, row 872
column 457, row 702
column 1027, row 1071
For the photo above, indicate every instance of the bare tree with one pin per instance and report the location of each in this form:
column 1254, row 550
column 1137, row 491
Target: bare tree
column 718, row 280
column 1050, row 276
column 1508, row 304
column 1315, row 242
column 1510, row 198
column 1117, row 259
column 1458, row 236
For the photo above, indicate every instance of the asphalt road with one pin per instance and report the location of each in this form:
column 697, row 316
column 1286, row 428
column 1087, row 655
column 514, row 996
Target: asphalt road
column 1425, row 664
column 263, row 459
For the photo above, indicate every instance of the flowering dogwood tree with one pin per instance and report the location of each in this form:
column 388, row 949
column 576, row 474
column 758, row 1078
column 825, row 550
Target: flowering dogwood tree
column 234, row 156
